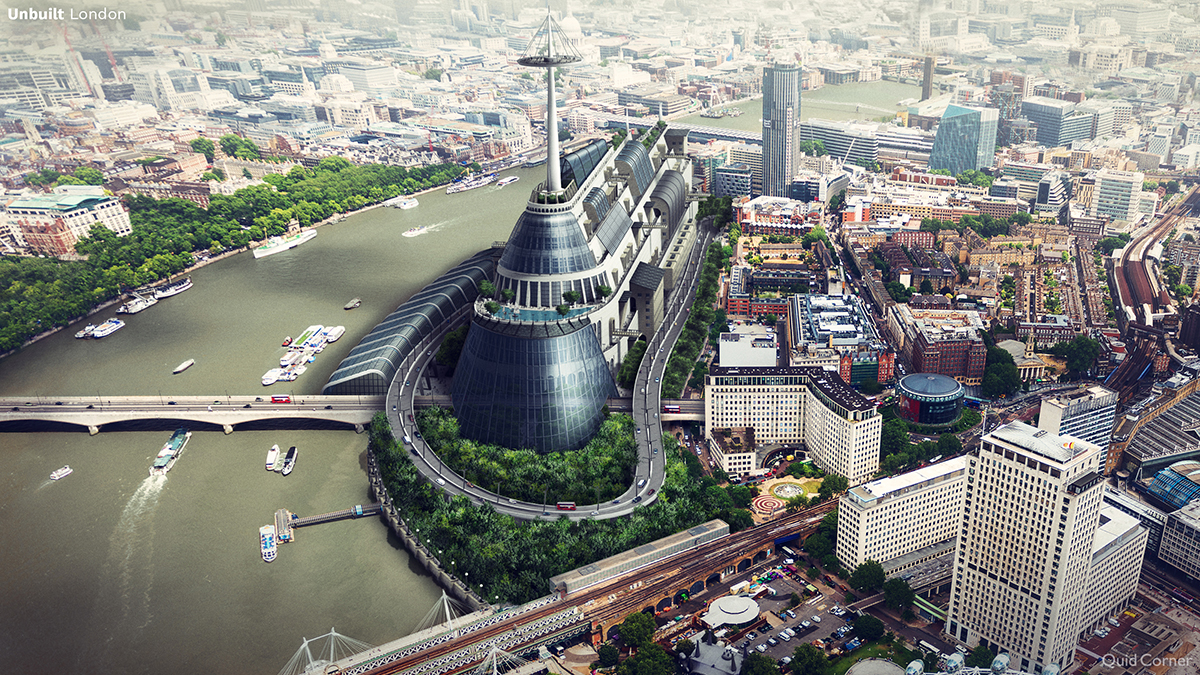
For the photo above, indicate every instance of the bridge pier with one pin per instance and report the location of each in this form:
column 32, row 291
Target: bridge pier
column 228, row 428
column 93, row 430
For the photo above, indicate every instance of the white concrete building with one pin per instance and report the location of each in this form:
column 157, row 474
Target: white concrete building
column 793, row 405
column 1024, row 558
column 1117, row 553
column 1082, row 413
column 892, row 517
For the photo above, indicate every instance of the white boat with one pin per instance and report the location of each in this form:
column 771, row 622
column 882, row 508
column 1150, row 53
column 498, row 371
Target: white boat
column 272, row 456
column 402, row 202
column 173, row 288
column 308, row 333
column 184, row 366
column 289, row 462
column 108, row 328
column 171, row 450
column 277, row 244
column 266, row 539
column 508, row 180
column 334, row 333
column 412, row 232
column 86, row 332
column 137, row 304
column 292, row 358
column 271, row 376
column 61, row 473
column 299, row 370
column 356, row 302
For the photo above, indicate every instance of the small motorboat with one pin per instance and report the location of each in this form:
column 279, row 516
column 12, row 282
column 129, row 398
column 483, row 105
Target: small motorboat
column 287, row 341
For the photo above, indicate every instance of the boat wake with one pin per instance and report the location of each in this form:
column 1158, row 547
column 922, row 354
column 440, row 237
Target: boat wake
column 125, row 604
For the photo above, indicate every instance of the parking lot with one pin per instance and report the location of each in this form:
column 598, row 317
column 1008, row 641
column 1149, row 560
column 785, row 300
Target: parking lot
column 775, row 608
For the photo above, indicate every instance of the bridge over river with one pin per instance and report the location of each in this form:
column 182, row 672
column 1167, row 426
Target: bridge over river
column 138, row 413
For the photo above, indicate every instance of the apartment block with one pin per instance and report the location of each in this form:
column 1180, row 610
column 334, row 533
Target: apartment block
column 1083, row 413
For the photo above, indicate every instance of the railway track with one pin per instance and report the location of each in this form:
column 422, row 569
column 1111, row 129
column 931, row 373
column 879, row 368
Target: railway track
column 664, row 577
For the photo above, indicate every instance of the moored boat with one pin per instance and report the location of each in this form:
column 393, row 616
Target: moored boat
column 356, row 302
column 277, row 244
column 272, row 457
column 266, row 537
column 289, row 462
column 287, row 341
column 61, row 473
column 173, row 288
column 170, row 452
column 137, row 304
column 272, row 376
column 108, row 328
column 86, row 332
column 332, row 334
column 402, row 202
column 309, row 332
column 184, row 366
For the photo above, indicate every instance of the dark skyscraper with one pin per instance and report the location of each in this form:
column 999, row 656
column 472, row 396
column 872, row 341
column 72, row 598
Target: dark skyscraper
column 780, row 127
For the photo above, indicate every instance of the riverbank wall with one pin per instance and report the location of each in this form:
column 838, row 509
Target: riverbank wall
column 427, row 560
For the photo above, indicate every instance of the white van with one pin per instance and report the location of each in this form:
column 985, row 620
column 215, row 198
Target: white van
column 406, row 441
column 641, row 483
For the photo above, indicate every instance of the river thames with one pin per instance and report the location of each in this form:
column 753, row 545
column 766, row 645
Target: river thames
column 109, row 571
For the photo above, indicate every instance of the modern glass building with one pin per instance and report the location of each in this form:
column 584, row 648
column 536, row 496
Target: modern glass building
column 1177, row 485
column 965, row 140
column 930, row 398
column 780, row 127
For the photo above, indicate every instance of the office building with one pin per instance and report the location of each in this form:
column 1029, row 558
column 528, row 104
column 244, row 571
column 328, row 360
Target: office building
column 1082, row 413
column 965, row 139
column 1118, row 548
column 1154, row 520
column 1180, row 546
column 930, row 399
column 1118, row 194
column 798, row 405
column 946, row 342
column 903, row 520
column 1058, row 123
column 780, row 127
column 751, row 156
column 1025, row 549
column 50, row 224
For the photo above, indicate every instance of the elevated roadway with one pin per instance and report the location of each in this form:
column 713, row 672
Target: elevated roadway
column 404, row 399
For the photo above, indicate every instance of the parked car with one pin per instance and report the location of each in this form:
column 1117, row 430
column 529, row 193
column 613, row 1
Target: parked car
column 761, row 648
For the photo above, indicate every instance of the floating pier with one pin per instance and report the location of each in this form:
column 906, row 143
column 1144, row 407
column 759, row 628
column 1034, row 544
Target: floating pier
column 286, row 521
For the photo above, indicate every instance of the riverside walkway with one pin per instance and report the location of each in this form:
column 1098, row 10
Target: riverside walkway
column 226, row 412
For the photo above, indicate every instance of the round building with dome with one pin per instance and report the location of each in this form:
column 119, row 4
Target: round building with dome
column 930, row 399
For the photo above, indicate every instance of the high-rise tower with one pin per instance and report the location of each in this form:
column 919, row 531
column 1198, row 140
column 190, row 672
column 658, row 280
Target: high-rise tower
column 965, row 140
column 780, row 127
column 1025, row 548
column 577, row 281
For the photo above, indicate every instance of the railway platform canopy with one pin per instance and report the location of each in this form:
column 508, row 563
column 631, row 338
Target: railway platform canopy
column 646, row 554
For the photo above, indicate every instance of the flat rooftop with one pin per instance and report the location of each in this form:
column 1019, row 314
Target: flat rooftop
column 1045, row 444
column 883, row 487
column 827, row 381
column 1115, row 527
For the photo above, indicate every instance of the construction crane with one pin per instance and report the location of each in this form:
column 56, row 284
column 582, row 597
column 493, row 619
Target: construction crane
column 112, row 60
column 72, row 54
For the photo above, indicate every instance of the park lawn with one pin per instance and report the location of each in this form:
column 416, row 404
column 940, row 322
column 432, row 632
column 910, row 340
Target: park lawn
column 864, row 652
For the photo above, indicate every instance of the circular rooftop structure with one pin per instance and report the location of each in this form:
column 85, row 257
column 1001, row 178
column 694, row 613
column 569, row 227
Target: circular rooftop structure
column 875, row 667
column 730, row 610
column 930, row 398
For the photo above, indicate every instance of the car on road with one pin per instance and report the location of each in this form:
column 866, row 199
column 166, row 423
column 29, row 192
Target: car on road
column 595, row 513
column 616, row 501
column 639, row 430
column 637, row 499
column 441, row 481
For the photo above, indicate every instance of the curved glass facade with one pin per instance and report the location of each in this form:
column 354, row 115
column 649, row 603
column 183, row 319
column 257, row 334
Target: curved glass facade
column 547, row 243
column 370, row 367
column 671, row 193
column 930, row 398
column 633, row 155
column 538, row 385
column 1178, row 484
column 580, row 164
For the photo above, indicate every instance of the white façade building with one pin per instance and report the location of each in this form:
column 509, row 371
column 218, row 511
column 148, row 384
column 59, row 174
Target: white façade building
column 794, row 405
column 895, row 517
column 50, row 224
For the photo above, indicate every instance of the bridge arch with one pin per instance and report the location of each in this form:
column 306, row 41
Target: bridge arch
column 760, row 556
column 743, row 565
column 696, row 588
column 714, row 578
column 663, row 605
column 681, row 596
column 649, row 609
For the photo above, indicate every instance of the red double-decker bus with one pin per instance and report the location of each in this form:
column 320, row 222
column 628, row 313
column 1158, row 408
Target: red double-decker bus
column 670, row 408
column 565, row 506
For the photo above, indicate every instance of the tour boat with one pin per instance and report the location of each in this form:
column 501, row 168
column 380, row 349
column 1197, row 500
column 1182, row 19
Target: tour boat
column 173, row 288
column 171, row 450
column 272, row 456
column 266, row 536
column 108, row 328
column 277, row 244
column 86, row 332
column 184, row 366
column 509, row 180
column 137, row 304
column 61, row 473
column 332, row 334
column 471, row 183
column 289, row 462
column 272, row 376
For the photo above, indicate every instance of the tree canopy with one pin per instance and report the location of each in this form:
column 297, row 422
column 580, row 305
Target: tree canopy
column 868, row 576
column 980, row 657
column 1079, row 353
column 637, row 630
column 808, row 660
